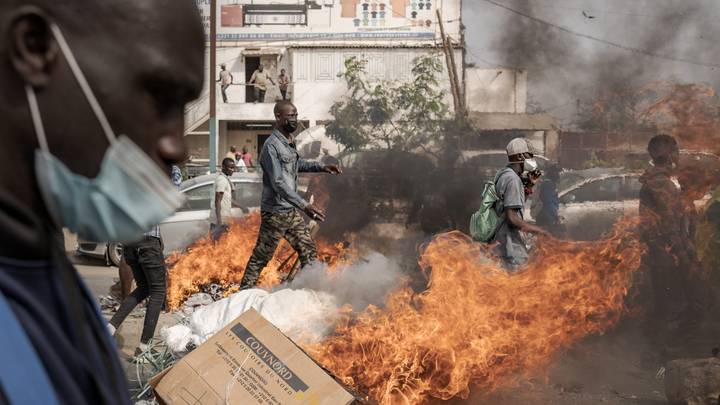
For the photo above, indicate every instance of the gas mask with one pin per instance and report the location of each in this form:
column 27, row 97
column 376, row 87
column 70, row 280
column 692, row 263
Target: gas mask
column 130, row 194
column 530, row 166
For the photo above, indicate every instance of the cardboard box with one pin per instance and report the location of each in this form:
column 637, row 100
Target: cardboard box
column 249, row 362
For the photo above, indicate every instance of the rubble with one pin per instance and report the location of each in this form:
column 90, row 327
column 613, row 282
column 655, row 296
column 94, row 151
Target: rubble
column 693, row 381
column 199, row 299
column 304, row 315
column 108, row 303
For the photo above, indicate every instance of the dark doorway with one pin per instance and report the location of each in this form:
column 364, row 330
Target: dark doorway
column 251, row 64
column 261, row 141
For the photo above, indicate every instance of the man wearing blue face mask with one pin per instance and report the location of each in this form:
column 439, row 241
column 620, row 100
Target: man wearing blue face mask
column 87, row 137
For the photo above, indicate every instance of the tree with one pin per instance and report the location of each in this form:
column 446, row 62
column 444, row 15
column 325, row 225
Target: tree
column 395, row 116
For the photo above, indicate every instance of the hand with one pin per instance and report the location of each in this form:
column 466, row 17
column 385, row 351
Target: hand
column 542, row 232
column 332, row 169
column 314, row 213
column 534, row 177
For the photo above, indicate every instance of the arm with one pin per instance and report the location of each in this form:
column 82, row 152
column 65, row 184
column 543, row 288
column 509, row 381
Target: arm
column 512, row 191
column 310, row 166
column 232, row 79
column 513, row 218
column 218, row 201
column 270, row 162
column 252, row 78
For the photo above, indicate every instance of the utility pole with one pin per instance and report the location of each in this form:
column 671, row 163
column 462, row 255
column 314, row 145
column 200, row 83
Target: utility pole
column 212, row 144
column 452, row 71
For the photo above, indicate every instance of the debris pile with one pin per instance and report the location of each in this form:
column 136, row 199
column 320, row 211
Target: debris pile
column 303, row 315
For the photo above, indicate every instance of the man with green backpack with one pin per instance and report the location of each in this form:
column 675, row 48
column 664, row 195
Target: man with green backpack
column 500, row 217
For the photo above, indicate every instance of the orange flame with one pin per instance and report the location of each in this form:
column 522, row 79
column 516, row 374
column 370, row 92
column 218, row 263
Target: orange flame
column 224, row 262
column 477, row 326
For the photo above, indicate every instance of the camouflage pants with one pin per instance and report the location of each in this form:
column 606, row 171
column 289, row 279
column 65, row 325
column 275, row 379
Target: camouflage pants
column 273, row 226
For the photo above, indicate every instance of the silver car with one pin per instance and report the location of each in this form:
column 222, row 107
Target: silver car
column 591, row 207
column 190, row 222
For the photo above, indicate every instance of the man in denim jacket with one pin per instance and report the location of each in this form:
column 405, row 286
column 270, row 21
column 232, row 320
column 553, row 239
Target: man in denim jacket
column 281, row 204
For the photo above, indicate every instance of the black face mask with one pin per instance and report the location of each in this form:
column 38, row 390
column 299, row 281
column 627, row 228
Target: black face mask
column 290, row 126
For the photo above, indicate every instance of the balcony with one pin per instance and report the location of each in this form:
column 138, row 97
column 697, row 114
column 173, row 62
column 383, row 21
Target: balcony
column 245, row 111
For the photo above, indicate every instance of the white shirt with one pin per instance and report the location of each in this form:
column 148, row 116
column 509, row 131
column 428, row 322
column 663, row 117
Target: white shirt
column 225, row 186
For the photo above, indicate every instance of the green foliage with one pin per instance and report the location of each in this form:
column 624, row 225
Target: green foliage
column 379, row 114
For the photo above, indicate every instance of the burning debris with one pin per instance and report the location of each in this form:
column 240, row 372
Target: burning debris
column 474, row 326
column 217, row 268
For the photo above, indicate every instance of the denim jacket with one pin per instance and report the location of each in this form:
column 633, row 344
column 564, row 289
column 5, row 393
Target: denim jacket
column 281, row 163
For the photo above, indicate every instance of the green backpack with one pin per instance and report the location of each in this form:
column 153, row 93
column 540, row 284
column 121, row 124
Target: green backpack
column 485, row 221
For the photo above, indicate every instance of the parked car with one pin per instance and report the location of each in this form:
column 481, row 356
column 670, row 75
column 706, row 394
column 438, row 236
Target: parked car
column 190, row 222
column 591, row 207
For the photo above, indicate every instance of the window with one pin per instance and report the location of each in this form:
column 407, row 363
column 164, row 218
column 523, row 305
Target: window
column 198, row 198
column 247, row 194
column 275, row 14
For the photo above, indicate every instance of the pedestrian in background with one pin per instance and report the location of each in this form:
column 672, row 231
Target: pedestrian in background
column 247, row 158
column 232, row 153
column 147, row 262
column 665, row 228
column 225, row 79
column 260, row 79
column 221, row 204
column 547, row 203
column 283, row 83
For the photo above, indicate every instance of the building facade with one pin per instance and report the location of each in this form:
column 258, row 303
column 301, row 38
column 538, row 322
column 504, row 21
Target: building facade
column 310, row 40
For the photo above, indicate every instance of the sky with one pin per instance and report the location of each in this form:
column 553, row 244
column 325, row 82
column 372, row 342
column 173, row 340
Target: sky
column 651, row 40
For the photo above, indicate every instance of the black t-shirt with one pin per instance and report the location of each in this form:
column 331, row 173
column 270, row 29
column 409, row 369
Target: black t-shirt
column 61, row 321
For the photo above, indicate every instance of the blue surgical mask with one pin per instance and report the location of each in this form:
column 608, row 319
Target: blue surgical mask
column 128, row 197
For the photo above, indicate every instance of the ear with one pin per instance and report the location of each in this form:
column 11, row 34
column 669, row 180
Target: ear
column 33, row 49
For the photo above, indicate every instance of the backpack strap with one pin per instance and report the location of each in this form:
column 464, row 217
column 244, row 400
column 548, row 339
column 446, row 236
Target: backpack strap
column 22, row 375
column 503, row 215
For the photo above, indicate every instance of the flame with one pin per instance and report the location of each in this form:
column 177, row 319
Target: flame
column 688, row 111
column 476, row 326
column 224, row 262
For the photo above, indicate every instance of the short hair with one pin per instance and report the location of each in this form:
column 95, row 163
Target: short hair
column 227, row 161
column 661, row 145
column 279, row 106
column 232, row 148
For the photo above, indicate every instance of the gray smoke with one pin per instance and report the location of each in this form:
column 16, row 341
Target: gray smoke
column 563, row 67
column 366, row 282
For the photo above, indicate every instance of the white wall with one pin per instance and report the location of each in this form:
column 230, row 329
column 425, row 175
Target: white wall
column 496, row 90
column 388, row 22
column 317, row 86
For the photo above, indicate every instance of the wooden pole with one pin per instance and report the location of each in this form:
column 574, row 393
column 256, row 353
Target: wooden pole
column 456, row 82
column 448, row 62
column 212, row 141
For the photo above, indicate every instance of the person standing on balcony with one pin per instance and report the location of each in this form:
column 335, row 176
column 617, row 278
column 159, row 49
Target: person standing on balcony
column 281, row 205
column 260, row 79
column 283, row 83
column 225, row 79
column 247, row 157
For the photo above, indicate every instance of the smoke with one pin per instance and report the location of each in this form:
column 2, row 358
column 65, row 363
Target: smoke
column 670, row 40
column 366, row 282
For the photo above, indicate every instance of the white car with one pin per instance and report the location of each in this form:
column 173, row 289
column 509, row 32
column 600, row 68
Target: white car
column 190, row 222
